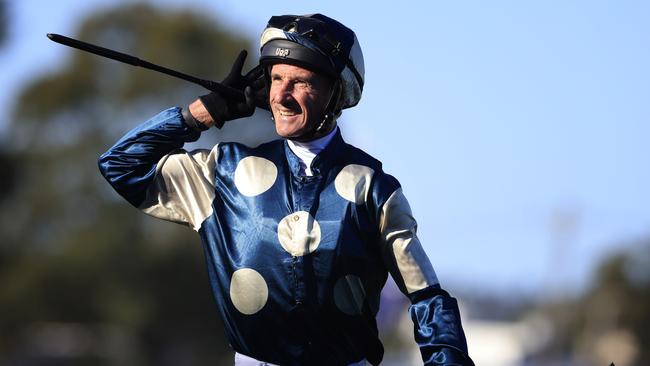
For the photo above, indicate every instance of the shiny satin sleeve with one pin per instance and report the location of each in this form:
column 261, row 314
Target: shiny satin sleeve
column 438, row 330
column 150, row 170
column 436, row 318
column 403, row 253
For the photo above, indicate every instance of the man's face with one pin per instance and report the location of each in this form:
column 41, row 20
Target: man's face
column 298, row 98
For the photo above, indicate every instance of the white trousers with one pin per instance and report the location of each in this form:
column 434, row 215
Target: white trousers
column 243, row 360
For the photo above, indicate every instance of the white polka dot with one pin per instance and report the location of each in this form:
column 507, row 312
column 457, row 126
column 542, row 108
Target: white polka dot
column 353, row 183
column 299, row 233
column 349, row 294
column 248, row 291
column 255, row 175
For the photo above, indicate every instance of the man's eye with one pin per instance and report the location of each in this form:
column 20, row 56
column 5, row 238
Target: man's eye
column 303, row 83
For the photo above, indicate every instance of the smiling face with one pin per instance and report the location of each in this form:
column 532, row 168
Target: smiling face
column 298, row 98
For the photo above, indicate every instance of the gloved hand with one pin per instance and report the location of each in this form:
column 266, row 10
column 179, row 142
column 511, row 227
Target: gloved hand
column 256, row 79
column 223, row 108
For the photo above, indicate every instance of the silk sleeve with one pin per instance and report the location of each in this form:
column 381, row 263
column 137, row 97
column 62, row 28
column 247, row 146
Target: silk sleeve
column 149, row 168
column 435, row 315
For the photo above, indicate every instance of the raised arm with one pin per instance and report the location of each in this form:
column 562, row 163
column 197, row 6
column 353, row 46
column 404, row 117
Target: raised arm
column 150, row 170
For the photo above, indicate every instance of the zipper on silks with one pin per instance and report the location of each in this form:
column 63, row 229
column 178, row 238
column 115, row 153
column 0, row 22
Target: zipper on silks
column 296, row 297
column 294, row 259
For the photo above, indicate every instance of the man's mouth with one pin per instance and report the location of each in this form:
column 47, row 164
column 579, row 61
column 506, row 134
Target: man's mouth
column 288, row 113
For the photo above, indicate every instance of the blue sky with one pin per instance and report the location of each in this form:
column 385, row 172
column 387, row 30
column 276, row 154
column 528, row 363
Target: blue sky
column 499, row 118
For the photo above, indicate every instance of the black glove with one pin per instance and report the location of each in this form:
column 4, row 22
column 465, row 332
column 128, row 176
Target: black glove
column 256, row 79
column 223, row 108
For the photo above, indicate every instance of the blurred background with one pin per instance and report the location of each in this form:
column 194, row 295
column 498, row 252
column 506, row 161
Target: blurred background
column 519, row 131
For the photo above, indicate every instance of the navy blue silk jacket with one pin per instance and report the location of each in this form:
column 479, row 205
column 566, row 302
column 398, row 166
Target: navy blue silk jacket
column 296, row 263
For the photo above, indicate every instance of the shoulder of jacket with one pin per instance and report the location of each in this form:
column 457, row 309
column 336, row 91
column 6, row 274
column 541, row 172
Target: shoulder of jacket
column 354, row 155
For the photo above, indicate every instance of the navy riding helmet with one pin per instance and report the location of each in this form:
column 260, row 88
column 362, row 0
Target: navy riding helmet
column 320, row 44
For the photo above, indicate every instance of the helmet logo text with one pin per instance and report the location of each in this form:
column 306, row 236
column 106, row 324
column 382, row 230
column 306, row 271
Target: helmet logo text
column 282, row 52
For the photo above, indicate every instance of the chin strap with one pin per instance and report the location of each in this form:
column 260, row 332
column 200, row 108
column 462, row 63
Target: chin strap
column 328, row 119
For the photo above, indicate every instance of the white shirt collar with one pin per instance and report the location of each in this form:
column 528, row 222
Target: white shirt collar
column 307, row 151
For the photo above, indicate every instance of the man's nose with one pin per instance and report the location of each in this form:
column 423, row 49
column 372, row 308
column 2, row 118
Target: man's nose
column 284, row 91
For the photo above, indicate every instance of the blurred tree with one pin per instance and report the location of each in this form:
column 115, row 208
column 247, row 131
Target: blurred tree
column 615, row 317
column 86, row 278
column 5, row 160
column 611, row 321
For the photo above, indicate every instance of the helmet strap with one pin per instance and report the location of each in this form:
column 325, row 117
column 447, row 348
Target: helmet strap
column 329, row 118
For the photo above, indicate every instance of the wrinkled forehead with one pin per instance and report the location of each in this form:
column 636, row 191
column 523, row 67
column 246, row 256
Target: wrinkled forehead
column 298, row 72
